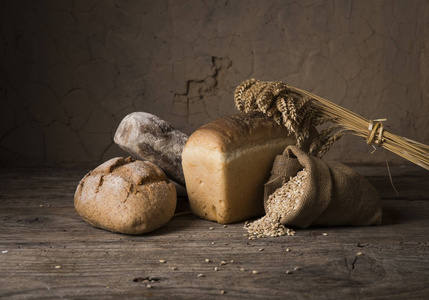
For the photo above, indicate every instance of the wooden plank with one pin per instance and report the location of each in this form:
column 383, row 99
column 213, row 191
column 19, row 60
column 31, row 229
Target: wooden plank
column 40, row 230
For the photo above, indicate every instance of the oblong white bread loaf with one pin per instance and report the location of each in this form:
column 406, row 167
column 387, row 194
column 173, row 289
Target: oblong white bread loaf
column 226, row 163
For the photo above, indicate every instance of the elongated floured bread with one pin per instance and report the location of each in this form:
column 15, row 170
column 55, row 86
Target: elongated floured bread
column 226, row 163
column 148, row 137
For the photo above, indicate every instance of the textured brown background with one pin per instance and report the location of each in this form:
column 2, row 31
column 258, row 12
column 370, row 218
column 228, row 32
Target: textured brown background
column 71, row 70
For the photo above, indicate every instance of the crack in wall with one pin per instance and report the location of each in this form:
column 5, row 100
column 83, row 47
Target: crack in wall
column 199, row 92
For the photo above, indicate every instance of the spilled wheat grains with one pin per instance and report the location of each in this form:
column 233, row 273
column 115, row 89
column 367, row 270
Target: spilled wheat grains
column 283, row 201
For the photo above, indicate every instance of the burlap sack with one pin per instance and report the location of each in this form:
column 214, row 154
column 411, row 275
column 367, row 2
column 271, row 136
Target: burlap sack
column 335, row 195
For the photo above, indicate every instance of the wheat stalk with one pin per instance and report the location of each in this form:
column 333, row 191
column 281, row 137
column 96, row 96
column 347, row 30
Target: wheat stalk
column 299, row 110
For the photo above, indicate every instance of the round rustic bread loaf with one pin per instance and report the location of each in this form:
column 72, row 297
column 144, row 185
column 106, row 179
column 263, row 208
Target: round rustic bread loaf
column 127, row 196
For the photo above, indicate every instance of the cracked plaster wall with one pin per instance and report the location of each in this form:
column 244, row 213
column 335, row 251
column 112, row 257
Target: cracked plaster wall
column 71, row 70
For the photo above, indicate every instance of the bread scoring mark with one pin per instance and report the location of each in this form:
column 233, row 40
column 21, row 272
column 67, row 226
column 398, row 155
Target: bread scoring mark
column 119, row 163
column 82, row 182
column 100, row 183
column 130, row 191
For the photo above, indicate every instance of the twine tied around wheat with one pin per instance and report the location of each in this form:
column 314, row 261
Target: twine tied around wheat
column 299, row 111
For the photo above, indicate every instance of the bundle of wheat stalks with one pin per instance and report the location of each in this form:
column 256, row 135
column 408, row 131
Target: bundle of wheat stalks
column 299, row 111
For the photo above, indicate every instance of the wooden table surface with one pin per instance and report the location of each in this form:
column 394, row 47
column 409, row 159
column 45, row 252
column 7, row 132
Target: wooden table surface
column 48, row 252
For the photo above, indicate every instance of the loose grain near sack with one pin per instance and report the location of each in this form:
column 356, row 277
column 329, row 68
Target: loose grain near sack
column 283, row 201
